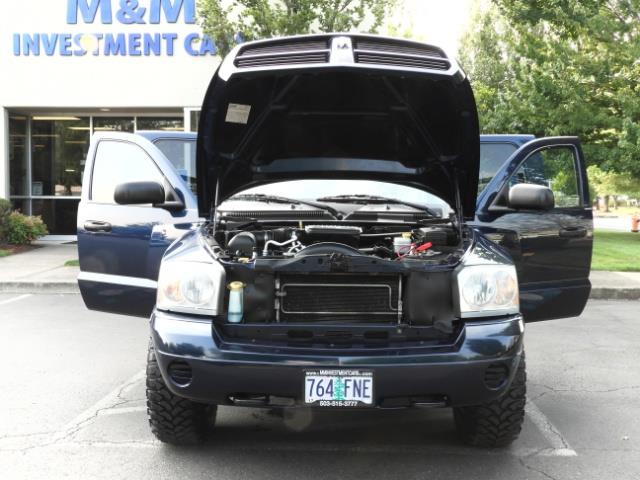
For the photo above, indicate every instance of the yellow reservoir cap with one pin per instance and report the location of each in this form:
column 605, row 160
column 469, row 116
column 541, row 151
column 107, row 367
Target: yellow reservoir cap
column 406, row 235
column 235, row 286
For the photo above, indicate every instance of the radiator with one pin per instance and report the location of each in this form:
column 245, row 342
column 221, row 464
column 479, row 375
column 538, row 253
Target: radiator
column 338, row 298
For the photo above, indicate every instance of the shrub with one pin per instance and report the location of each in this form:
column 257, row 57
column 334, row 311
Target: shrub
column 22, row 229
column 5, row 210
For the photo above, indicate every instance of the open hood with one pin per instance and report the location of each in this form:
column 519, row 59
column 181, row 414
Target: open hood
column 339, row 106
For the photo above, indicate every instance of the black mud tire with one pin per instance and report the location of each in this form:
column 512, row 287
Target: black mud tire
column 497, row 423
column 174, row 420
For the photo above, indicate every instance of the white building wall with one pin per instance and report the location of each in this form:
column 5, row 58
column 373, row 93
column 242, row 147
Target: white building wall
column 89, row 81
column 85, row 81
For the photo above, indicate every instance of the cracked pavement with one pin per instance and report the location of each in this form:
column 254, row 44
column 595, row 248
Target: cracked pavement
column 72, row 406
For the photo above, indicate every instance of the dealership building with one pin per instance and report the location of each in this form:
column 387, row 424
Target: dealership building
column 74, row 67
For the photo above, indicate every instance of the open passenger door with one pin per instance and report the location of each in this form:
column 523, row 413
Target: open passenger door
column 550, row 245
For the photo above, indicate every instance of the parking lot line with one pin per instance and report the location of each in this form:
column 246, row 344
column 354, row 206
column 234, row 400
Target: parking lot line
column 15, row 299
column 123, row 410
column 559, row 445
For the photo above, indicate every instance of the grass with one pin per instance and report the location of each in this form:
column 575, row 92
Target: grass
column 617, row 251
column 4, row 253
column 72, row 263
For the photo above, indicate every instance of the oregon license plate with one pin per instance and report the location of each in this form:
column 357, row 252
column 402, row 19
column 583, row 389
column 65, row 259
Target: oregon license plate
column 338, row 388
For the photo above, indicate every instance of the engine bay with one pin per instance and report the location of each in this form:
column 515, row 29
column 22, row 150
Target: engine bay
column 297, row 281
column 436, row 243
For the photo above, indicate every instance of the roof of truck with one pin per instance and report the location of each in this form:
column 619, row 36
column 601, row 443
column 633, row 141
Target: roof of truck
column 154, row 135
column 518, row 139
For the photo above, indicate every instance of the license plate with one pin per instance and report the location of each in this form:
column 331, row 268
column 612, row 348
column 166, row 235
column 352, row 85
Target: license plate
column 338, row 388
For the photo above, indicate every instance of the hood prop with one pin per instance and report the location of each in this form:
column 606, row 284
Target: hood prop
column 459, row 214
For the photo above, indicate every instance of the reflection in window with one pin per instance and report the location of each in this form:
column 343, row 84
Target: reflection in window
column 160, row 123
column 18, row 181
column 113, row 124
column 182, row 155
column 553, row 168
column 492, row 157
column 59, row 148
column 120, row 162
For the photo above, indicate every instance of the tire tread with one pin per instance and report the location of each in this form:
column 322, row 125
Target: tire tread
column 173, row 419
column 499, row 422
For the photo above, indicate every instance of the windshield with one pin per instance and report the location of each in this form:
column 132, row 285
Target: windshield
column 312, row 190
column 182, row 155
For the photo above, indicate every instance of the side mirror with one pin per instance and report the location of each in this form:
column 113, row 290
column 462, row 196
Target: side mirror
column 139, row 193
column 527, row 196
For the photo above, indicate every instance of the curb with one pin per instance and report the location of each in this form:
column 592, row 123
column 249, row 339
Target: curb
column 608, row 293
column 40, row 287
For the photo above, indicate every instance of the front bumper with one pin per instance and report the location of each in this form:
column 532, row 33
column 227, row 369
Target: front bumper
column 455, row 376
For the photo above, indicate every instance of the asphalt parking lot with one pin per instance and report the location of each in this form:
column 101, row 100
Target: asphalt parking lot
column 72, row 406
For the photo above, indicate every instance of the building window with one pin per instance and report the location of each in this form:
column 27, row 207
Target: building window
column 113, row 124
column 47, row 155
column 21, row 205
column 58, row 215
column 18, row 163
column 160, row 123
column 195, row 119
column 59, row 148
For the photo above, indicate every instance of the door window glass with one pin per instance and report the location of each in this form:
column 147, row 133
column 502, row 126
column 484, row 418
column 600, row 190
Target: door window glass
column 555, row 168
column 182, row 155
column 492, row 157
column 120, row 162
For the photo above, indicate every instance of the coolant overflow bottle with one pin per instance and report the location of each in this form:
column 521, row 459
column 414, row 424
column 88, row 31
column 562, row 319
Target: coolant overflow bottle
column 236, row 300
column 402, row 245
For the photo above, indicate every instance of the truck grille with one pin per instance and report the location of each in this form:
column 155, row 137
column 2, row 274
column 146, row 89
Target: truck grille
column 339, row 298
column 369, row 50
column 283, row 53
column 401, row 54
column 401, row 61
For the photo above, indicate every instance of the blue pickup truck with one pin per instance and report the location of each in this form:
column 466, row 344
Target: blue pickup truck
column 338, row 235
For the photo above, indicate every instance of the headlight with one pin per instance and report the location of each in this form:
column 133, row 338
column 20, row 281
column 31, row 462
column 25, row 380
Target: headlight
column 485, row 290
column 190, row 287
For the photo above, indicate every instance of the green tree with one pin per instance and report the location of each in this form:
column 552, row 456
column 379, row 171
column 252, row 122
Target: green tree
column 224, row 20
column 561, row 67
column 484, row 54
column 607, row 184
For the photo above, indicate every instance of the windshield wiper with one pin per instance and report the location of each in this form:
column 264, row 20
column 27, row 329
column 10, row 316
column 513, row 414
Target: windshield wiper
column 261, row 197
column 376, row 199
